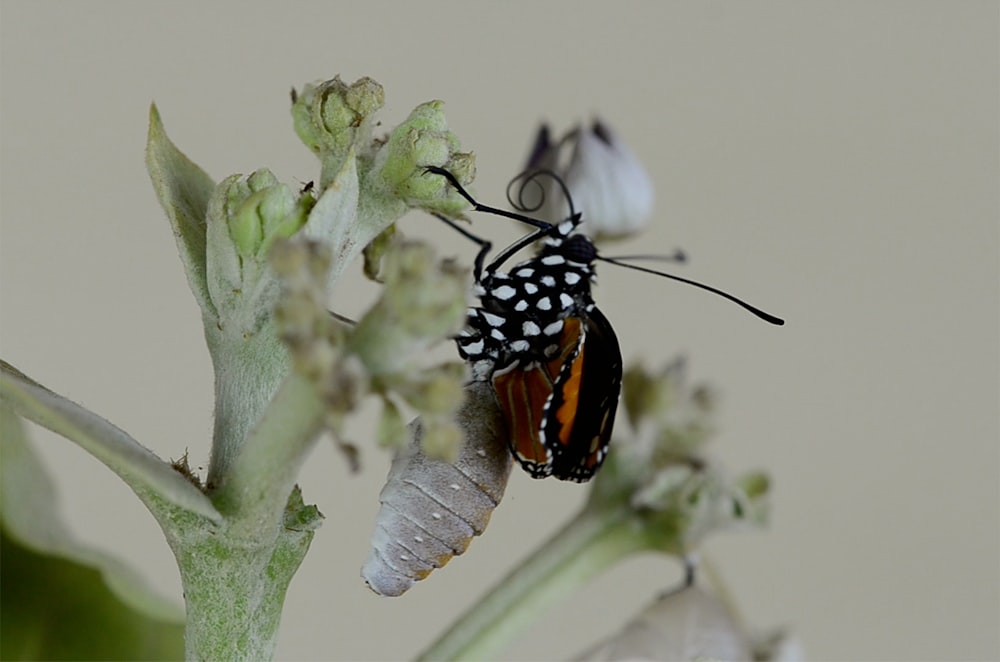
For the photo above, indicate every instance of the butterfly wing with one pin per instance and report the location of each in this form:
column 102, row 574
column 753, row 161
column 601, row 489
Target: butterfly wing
column 580, row 415
column 524, row 391
column 560, row 413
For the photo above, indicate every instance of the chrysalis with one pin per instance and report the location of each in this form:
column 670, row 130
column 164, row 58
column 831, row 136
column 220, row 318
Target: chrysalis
column 431, row 509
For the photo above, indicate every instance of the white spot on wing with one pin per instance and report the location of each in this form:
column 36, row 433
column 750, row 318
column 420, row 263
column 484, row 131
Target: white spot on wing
column 571, row 278
column 529, row 328
column 553, row 260
column 554, row 328
column 566, row 300
column 493, row 320
column 544, row 304
column 503, row 292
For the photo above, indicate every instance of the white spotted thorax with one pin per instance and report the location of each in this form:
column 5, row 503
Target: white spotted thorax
column 520, row 315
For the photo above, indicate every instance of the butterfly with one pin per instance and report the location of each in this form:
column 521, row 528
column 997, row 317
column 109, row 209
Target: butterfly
column 551, row 355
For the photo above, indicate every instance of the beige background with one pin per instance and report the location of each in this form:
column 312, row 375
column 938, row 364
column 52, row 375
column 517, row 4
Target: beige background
column 835, row 163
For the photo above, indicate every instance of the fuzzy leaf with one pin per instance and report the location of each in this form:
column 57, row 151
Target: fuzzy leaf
column 184, row 190
column 60, row 600
column 334, row 219
column 140, row 468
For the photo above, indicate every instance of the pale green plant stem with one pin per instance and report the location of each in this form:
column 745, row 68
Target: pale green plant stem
column 589, row 543
column 235, row 576
column 248, row 371
column 234, row 592
column 261, row 478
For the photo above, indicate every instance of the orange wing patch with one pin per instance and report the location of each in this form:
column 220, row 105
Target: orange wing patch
column 523, row 392
column 522, row 395
column 566, row 413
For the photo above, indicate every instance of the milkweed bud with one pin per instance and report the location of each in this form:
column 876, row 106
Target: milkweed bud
column 662, row 473
column 425, row 140
column 261, row 210
column 332, row 117
column 423, row 302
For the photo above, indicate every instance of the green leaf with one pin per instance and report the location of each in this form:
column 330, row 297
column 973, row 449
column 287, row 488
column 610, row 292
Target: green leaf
column 59, row 600
column 151, row 478
column 184, row 190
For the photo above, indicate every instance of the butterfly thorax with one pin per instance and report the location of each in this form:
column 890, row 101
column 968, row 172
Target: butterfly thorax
column 521, row 311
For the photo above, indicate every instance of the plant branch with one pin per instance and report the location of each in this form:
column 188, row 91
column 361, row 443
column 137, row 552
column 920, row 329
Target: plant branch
column 262, row 476
column 139, row 467
column 587, row 545
column 248, row 372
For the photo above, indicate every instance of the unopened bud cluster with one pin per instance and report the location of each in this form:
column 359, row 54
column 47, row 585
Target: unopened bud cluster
column 260, row 209
column 423, row 301
column 336, row 121
column 661, row 471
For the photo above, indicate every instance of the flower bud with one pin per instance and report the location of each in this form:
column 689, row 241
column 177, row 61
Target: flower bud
column 259, row 211
column 661, row 472
column 435, row 390
column 391, row 427
column 424, row 140
column 606, row 181
column 332, row 117
column 422, row 303
column 642, row 395
column 300, row 313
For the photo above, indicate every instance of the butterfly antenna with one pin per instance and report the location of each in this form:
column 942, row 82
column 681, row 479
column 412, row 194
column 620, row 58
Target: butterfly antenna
column 531, row 177
column 679, row 256
column 767, row 317
column 477, row 206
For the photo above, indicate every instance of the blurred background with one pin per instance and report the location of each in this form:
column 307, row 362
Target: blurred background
column 833, row 163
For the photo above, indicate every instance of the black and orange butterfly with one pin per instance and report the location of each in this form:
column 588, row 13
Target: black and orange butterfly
column 551, row 355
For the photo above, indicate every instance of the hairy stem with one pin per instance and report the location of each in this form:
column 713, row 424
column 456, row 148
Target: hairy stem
column 588, row 544
column 261, row 478
column 248, row 371
column 234, row 589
